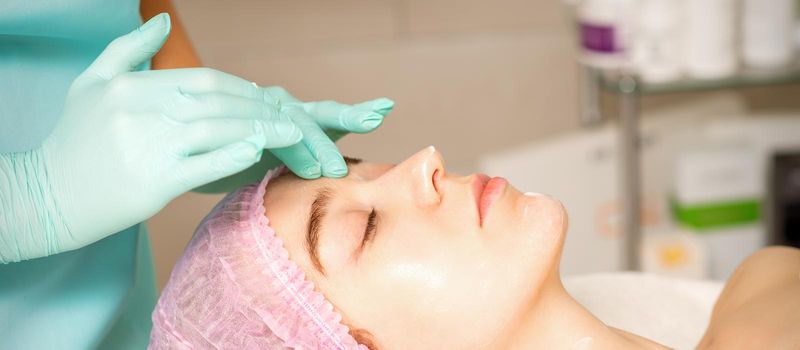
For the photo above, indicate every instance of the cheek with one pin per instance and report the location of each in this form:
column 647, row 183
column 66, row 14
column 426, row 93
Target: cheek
column 437, row 284
column 409, row 261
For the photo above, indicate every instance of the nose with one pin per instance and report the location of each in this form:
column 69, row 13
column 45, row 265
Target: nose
column 418, row 176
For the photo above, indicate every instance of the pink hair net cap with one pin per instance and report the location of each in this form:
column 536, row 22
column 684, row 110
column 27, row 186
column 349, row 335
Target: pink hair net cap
column 236, row 288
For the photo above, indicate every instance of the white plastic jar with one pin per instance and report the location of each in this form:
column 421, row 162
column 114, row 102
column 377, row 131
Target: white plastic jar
column 709, row 38
column 605, row 29
column 768, row 33
column 657, row 41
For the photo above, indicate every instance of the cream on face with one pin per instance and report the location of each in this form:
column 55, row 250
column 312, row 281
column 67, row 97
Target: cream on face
column 402, row 250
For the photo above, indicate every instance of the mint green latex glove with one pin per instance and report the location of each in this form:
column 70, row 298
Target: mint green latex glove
column 322, row 123
column 129, row 142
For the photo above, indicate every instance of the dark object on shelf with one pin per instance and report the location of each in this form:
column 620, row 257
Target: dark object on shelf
column 784, row 193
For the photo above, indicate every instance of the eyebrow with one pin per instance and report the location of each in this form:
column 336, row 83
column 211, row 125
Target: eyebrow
column 316, row 215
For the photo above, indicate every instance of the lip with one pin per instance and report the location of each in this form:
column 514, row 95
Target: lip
column 486, row 191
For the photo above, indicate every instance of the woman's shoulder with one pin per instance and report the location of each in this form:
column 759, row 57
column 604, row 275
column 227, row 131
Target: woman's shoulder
column 765, row 270
column 759, row 307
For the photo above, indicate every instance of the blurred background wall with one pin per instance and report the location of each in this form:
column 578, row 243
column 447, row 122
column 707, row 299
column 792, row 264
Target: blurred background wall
column 471, row 77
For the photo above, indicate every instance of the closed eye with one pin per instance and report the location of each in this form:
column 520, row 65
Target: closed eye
column 371, row 228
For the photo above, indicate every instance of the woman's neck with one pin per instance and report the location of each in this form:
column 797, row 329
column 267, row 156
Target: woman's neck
column 557, row 321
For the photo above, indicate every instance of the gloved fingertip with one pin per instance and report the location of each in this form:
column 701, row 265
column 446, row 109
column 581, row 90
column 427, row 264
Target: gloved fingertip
column 361, row 120
column 382, row 105
column 285, row 127
column 245, row 151
column 371, row 122
column 335, row 169
column 284, row 133
column 311, row 171
column 258, row 140
column 335, row 173
column 296, row 137
column 160, row 21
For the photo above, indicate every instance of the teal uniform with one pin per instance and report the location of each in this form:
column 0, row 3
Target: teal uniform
column 99, row 296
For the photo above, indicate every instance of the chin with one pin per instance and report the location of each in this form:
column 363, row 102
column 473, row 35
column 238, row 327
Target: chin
column 539, row 212
column 542, row 223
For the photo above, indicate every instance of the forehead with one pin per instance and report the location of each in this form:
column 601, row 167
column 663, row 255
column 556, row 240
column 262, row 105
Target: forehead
column 291, row 188
column 286, row 195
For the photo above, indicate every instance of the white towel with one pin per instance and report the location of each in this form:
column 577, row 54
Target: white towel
column 671, row 311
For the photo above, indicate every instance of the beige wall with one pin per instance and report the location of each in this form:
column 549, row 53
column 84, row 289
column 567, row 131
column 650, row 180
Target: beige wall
column 468, row 76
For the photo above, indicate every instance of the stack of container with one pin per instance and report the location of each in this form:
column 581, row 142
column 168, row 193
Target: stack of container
column 666, row 40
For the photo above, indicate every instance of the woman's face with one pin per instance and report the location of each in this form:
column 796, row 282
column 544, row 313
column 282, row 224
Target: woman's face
column 402, row 252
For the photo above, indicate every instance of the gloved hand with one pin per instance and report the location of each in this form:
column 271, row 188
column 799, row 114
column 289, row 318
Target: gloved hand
column 322, row 123
column 129, row 142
